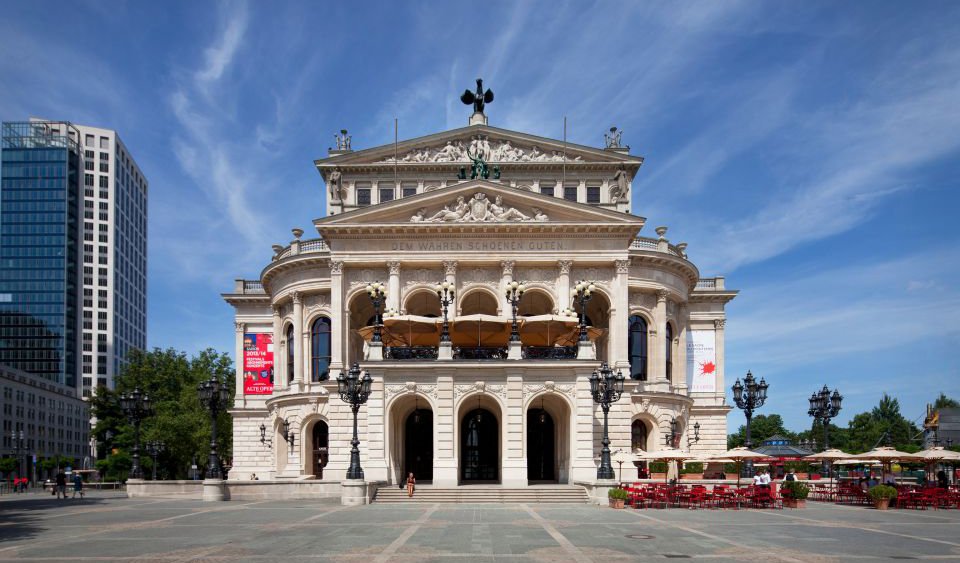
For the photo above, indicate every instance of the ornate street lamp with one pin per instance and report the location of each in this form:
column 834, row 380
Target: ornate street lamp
column 263, row 436
column 749, row 395
column 582, row 292
column 445, row 293
column 670, row 440
column 213, row 396
column 606, row 388
column 287, row 434
column 691, row 440
column 355, row 391
column 823, row 407
column 155, row 448
column 514, row 292
column 136, row 406
column 377, row 293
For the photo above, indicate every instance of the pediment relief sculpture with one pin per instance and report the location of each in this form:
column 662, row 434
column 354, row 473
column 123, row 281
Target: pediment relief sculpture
column 478, row 210
column 497, row 151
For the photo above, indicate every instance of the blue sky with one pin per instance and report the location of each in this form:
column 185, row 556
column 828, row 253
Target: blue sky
column 807, row 151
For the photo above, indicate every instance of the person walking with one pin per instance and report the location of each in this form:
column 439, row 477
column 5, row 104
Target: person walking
column 77, row 485
column 61, row 485
column 411, row 484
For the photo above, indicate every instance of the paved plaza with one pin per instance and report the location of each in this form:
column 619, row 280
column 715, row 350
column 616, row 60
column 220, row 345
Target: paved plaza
column 107, row 527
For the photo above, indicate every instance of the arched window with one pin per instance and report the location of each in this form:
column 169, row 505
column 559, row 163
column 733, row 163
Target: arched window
column 320, row 349
column 669, row 352
column 290, row 362
column 637, row 347
column 638, row 435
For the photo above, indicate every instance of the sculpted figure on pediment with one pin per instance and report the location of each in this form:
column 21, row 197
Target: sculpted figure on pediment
column 479, row 210
column 496, row 151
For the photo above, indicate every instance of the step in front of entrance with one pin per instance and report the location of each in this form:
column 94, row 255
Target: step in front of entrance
column 570, row 494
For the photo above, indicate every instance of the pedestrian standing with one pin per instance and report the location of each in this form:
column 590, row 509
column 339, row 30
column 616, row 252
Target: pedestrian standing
column 61, row 485
column 411, row 484
column 77, row 485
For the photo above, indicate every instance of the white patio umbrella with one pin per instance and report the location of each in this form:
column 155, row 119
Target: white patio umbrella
column 936, row 455
column 739, row 455
column 830, row 456
column 885, row 456
column 667, row 455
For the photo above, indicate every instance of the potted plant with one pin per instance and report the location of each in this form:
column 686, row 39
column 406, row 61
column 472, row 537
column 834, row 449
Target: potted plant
column 795, row 494
column 658, row 470
column 692, row 471
column 881, row 495
column 617, row 497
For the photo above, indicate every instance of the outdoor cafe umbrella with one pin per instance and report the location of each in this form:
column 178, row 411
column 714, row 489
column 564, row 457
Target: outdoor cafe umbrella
column 544, row 330
column 937, row 454
column 667, row 455
column 739, row 455
column 830, row 456
column 886, row 456
column 405, row 330
column 572, row 336
column 480, row 330
column 621, row 457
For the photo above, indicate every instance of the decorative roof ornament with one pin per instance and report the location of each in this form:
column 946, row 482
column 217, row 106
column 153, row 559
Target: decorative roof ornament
column 479, row 98
column 612, row 139
column 343, row 140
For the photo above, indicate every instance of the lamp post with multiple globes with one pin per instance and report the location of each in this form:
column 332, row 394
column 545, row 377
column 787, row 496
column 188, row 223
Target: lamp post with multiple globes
column 137, row 406
column 606, row 388
column 355, row 391
column 446, row 294
column 213, row 396
column 377, row 292
column 749, row 396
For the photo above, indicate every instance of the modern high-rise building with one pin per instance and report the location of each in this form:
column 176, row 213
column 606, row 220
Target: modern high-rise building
column 73, row 252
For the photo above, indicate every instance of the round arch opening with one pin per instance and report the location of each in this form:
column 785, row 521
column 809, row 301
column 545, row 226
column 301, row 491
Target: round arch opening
column 547, row 429
column 478, row 301
column 479, row 440
column 535, row 302
column 412, row 438
column 423, row 302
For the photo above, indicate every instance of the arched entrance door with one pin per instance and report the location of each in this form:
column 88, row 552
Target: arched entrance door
column 321, row 434
column 479, row 446
column 540, row 446
column 418, row 445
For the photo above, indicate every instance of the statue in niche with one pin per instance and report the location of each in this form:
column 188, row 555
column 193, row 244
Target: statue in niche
column 619, row 188
column 336, row 187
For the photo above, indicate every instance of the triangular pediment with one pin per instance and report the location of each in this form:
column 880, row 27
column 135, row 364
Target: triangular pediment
column 479, row 205
column 493, row 145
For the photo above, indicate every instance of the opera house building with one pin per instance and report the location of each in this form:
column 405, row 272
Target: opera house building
column 479, row 277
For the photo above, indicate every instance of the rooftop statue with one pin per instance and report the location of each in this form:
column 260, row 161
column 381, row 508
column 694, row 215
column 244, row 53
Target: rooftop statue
column 479, row 98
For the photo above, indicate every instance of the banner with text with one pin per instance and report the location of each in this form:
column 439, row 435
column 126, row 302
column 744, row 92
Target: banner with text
column 702, row 361
column 257, row 364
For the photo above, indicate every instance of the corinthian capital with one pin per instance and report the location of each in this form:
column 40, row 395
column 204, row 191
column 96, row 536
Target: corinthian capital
column 662, row 295
column 394, row 266
column 507, row 266
column 565, row 266
column 623, row 266
column 297, row 298
column 719, row 323
column 336, row 267
column 450, row 267
column 240, row 327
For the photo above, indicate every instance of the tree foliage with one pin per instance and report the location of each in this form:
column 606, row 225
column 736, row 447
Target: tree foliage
column 944, row 402
column 56, row 461
column 762, row 427
column 884, row 425
column 170, row 378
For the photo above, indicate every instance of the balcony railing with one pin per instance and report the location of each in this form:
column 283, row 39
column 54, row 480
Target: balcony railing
column 303, row 247
column 549, row 352
column 656, row 245
column 479, row 353
column 410, row 353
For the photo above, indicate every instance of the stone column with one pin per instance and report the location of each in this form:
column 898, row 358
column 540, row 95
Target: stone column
column 338, row 317
column 718, row 326
column 506, row 279
column 680, row 365
column 393, row 286
column 297, row 341
column 445, row 466
column 563, row 285
column 239, row 399
column 617, row 340
column 656, row 352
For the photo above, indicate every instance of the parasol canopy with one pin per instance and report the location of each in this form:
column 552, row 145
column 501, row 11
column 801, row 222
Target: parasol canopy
column 544, row 330
column 406, row 330
column 829, row 455
column 886, row 454
column 938, row 454
column 738, row 455
column 572, row 337
column 480, row 330
column 667, row 455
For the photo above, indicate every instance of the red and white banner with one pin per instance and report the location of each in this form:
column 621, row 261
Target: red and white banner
column 702, row 361
column 257, row 364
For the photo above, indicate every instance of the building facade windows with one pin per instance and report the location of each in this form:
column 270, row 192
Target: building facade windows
column 290, row 341
column 320, row 349
column 637, row 347
column 668, row 352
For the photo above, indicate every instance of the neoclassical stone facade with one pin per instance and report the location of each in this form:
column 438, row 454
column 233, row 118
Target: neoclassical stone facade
column 550, row 214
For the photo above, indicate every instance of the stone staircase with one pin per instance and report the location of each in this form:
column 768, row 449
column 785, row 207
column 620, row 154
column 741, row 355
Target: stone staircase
column 533, row 494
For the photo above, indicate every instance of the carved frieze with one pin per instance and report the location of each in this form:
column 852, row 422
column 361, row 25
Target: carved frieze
column 421, row 276
column 642, row 300
column 567, row 389
column 478, row 275
column 534, row 274
column 363, row 276
column 595, row 274
column 392, row 389
column 495, row 151
column 478, row 209
column 480, row 387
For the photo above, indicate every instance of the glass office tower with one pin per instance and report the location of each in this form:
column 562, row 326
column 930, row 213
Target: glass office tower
column 39, row 214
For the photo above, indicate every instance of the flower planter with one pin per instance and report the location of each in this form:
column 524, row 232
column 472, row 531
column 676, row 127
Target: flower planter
column 691, row 476
column 881, row 503
column 616, row 503
column 658, row 476
column 802, row 476
column 794, row 503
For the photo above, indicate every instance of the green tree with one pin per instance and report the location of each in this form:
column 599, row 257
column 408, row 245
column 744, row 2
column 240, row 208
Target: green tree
column 762, row 427
column 7, row 464
column 57, row 461
column 883, row 424
column 944, row 402
column 170, row 378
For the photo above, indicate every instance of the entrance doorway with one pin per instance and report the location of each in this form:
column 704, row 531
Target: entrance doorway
column 540, row 446
column 321, row 436
column 418, row 445
column 479, row 447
